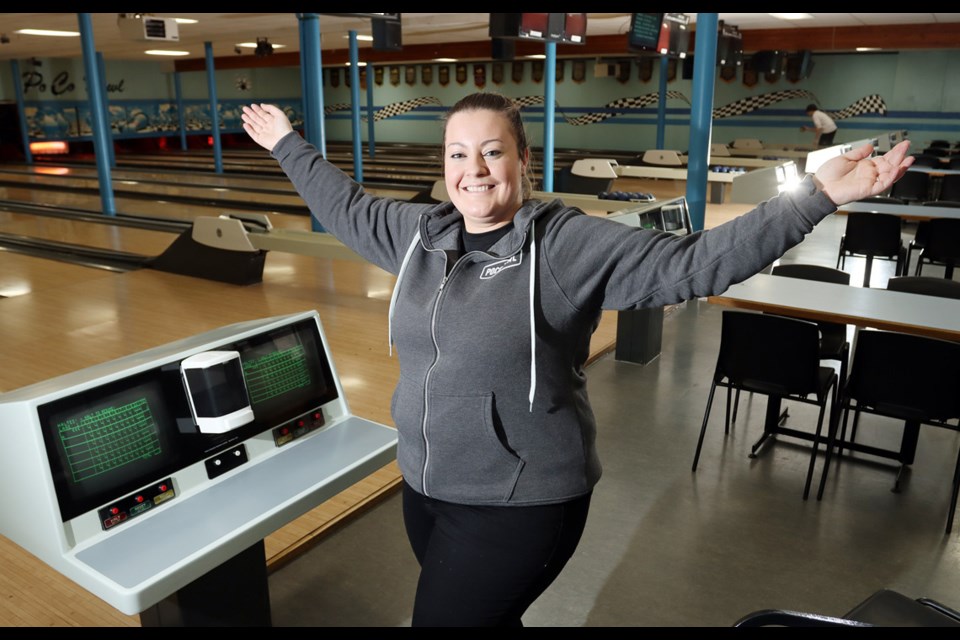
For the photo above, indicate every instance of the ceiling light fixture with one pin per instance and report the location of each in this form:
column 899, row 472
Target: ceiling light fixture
column 48, row 32
column 264, row 48
column 792, row 16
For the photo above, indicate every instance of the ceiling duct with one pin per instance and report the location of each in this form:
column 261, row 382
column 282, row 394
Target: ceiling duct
column 141, row 26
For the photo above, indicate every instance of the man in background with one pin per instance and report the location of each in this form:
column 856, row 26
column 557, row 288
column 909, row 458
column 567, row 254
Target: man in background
column 824, row 127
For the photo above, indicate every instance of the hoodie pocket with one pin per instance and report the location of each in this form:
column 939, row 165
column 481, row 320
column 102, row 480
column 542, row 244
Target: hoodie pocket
column 466, row 459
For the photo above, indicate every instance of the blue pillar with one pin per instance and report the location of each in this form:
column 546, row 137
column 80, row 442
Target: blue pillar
column 181, row 116
column 308, row 133
column 310, row 61
column 355, row 108
column 662, row 102
column 99, row 123
column 701, row 117
column 106, row 110
column 549, row 102
column 21, row 112
column 371, row 146
column 214, row 111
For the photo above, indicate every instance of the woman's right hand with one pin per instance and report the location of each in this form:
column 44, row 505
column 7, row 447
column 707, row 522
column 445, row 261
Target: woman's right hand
column 265, row 124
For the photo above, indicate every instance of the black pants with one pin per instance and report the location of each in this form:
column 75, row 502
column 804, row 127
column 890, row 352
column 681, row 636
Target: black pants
column 826, row 139
column 484, row 566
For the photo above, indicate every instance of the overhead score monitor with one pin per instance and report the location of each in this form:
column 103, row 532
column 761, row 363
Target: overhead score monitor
column 563, row 28
column 729, row 46
column 180, row 456
column 665, row 33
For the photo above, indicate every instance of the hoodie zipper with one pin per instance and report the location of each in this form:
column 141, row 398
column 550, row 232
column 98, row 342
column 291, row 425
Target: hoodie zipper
column 436, row 348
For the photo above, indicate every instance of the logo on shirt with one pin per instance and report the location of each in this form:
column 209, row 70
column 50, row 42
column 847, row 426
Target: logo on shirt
column 494, row 268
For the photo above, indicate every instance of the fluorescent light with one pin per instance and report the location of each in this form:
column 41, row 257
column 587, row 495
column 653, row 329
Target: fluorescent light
column 869, row 49
column 360, row 63
column 360, row 37
column 47, row 32
column 792, row 16
column 186, row 21
column 536, row 56
column 253, row 45
column 445, row 59
column 162, row 52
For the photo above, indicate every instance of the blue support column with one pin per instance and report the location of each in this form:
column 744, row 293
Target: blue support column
column 106, row 110
column 181, row 119
column 214, row 109
column 549, row 104
column 355, row 108
column 662, row 102
column 95, row 100
column 311, row 63
column 701, row 117
column 21, row 112
column 371, row 145
column 308, row 133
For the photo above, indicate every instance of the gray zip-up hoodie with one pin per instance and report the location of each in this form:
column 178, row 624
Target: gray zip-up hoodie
column 491, row 406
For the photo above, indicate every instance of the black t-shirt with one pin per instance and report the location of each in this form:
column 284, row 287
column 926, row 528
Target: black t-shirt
column 482, row 241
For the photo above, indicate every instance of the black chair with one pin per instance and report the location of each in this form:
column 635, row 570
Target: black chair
column 833, row 336
column 937, row 151
column 926, row 286
column 884, row 608
column 873, row 236
column 774, row 356
column 919, row 240
column 913, row 186
column 926, row 160
column 954, row 162
column 904, row 377
column 949, row 187
column 941, row 245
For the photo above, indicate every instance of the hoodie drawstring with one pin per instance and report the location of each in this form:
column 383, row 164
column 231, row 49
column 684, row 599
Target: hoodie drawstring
column 533, row 315
column 396, row 289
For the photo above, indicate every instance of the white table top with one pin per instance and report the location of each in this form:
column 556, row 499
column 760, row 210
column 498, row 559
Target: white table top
column 907, row 211
column 864, row 307
column 672, row 173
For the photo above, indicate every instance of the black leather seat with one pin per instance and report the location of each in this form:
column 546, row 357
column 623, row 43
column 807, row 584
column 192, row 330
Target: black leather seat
column 774, row 356
column 872, row 236
column 884, row 608
column 941, row 246
column 903, row 377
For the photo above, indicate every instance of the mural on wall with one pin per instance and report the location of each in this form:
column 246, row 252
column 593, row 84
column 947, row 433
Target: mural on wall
column 66, row 120
column 70, row 120
column 53, row 115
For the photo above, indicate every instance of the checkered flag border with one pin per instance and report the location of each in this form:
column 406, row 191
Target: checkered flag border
column 333, row 108
column 620, row 103
column 398, row 108
column 868, row 104
column 753, row 103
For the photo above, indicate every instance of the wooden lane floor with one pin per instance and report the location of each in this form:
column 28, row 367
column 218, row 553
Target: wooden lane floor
column 60, row 318
column 268, row 190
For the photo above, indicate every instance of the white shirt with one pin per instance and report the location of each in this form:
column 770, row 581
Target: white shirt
column 823, row 122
